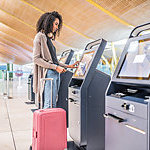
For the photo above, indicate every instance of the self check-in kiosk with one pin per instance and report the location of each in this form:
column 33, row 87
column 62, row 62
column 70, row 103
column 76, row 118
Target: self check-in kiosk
column 62, row 102
column 87, row 99
column 31, row 95
column 64, row 82
column 66, row 57
column 127, row 112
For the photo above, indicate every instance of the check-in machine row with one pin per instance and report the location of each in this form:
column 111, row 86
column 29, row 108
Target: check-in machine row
column 126, row 106
column 127, row 113
column 87, row 99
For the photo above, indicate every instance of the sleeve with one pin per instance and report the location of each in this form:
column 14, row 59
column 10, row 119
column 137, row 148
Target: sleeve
column 37, row 59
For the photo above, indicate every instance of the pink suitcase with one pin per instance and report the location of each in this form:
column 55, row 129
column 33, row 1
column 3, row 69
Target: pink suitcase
column 49, row 129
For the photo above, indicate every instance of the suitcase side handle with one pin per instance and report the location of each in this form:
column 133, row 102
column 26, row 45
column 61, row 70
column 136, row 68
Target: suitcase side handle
column 41, row 99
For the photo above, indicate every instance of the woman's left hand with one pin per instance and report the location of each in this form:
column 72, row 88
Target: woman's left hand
column 75, row 65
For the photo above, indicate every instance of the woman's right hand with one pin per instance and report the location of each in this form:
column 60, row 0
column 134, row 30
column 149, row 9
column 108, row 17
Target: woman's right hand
column 60, row 69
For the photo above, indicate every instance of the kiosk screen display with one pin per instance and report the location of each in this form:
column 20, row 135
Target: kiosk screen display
column 84, row 63
column 136, row 64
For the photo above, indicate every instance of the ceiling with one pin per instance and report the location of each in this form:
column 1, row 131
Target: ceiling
column 84, row 21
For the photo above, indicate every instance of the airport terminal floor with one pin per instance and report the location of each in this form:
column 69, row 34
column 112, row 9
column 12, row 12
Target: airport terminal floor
column 16, row 119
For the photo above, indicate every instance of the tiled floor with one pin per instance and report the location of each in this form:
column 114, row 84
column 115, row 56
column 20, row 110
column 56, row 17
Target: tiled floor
column 16, row 119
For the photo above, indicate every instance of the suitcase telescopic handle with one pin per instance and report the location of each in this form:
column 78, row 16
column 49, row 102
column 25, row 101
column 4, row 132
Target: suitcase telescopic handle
column 120, row 120
column 41, row 99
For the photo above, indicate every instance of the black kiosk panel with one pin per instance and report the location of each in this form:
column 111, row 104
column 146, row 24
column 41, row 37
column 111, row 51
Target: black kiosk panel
column 127, row 98
column 86, row 100
column 65, row 78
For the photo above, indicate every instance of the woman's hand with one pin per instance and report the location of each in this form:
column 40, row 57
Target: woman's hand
column 75, row 65
column 60, row 69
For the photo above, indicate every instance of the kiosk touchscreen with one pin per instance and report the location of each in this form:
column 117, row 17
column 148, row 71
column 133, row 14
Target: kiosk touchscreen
column 86, row 100
column 137, row 61
column 127, row 113
column 84, row 64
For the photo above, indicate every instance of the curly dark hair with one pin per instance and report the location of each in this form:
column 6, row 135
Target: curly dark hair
column 45, row 23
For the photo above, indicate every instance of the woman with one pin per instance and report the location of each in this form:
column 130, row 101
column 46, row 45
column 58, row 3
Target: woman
column 45, row 60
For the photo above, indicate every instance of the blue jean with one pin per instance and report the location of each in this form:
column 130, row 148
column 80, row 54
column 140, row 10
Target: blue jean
column 47, row 88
